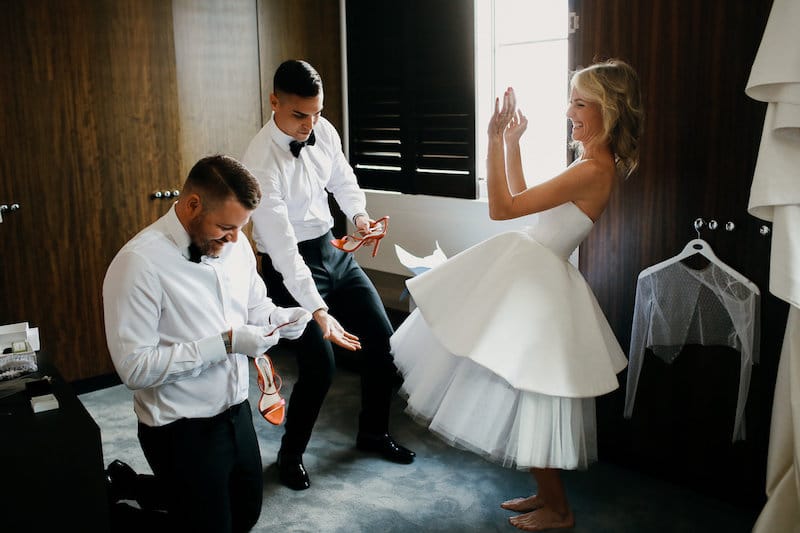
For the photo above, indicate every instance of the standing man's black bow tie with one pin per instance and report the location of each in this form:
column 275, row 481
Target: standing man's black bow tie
column 296, row 146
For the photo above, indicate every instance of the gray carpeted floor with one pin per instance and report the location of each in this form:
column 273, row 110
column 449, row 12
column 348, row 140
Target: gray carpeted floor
column 444, row 490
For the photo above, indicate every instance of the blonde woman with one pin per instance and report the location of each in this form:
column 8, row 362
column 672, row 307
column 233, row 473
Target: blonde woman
column 508, row 347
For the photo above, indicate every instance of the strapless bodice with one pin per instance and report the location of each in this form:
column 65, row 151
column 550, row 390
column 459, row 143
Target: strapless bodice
column 562, row 229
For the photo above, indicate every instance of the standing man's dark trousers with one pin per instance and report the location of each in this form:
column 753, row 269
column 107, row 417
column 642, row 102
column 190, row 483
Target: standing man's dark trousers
column 354, row 302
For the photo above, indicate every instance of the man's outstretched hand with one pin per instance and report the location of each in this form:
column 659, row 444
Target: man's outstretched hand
column 334, row 332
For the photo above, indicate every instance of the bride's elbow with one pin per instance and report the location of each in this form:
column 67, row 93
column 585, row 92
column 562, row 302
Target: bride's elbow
column 497, row 213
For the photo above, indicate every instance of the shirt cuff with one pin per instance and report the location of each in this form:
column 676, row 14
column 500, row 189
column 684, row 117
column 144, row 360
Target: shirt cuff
column 212, row 349
column 312, row 302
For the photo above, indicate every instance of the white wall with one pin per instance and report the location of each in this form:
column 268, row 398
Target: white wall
column 416, row 222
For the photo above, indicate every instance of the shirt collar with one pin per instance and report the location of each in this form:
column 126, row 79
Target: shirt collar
column 280, row 138
column 176, row 232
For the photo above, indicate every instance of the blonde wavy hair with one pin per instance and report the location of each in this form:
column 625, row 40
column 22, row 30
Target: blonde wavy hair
column 615, row 86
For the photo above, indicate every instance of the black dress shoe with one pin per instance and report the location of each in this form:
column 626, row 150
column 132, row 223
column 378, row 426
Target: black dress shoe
column 386, row 446
column 120, row 482
column 292, row 473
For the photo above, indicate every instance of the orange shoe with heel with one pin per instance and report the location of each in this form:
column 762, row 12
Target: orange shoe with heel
column 271, row 406
column 354, row 241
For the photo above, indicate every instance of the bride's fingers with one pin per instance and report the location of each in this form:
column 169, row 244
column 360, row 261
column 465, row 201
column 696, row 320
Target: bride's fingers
column 510, row 101
column 507, row 109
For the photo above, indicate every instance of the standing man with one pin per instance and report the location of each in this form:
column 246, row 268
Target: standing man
column 184, row 308
column 297, row 158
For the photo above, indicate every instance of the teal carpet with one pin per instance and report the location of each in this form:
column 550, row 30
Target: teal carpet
column 444, row 490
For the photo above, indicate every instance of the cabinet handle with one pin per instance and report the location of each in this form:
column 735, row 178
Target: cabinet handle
column 158, row 195
column 7, row 208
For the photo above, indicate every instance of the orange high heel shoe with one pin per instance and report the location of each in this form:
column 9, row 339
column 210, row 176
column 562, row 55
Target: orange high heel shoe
column 354, row 241
column 271, row 406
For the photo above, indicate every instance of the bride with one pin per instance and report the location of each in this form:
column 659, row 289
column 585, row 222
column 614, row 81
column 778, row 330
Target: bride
column 508, row 348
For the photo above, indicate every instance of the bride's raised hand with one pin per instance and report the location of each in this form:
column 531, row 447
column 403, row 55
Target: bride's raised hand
column 502, row 116
column 516, row 127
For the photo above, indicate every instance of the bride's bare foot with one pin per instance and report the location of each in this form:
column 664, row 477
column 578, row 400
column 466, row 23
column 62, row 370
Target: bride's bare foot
column 542, row 519
column 523, row 505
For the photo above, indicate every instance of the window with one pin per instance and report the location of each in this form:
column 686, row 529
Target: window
column 414, row 98
column 524, row 45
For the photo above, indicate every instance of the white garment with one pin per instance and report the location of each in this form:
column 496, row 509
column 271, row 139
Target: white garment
column 782, row 511
column 775, row 192
column 507, row 347
column 164, row 315
column 294, row 204
column 775, row 196
column 677, row 305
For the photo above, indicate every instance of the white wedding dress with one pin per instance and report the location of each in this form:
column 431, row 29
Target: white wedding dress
column 508, row 348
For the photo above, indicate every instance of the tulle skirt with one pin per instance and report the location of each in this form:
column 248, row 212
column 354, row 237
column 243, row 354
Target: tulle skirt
column 471, row 407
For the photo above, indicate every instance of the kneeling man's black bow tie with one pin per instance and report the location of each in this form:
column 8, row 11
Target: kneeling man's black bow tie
column 296, row 146
column 194, row 253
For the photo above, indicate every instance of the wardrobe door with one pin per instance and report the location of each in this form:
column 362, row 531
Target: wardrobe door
column 697, row 159
column 89, row 131
column 216, row 59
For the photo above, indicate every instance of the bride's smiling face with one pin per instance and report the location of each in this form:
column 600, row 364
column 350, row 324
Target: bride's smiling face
column 586, row 117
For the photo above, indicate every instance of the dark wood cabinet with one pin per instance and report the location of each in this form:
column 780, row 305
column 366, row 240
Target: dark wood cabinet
column 89, row 131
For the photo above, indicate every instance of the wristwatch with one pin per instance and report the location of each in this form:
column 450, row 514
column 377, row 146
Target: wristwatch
column 226, row 339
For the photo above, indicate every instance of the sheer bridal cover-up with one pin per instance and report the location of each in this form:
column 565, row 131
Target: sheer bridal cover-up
column 508, row 348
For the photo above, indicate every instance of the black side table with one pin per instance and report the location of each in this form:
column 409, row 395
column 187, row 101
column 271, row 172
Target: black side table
column 53, row 474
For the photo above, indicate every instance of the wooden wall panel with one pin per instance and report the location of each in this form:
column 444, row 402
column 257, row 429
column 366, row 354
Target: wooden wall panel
column 219, row 95
column 302, row 29
column 89, row 128
column 698, row 155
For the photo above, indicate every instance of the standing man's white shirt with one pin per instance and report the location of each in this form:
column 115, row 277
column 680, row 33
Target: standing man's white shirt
column 164, row 315
column 294, row 206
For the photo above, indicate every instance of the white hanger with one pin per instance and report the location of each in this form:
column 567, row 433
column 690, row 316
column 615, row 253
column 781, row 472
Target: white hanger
column 699, row 246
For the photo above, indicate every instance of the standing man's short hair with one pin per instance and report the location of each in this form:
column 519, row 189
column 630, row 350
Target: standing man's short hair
column 217, row 177
column 296, row 76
